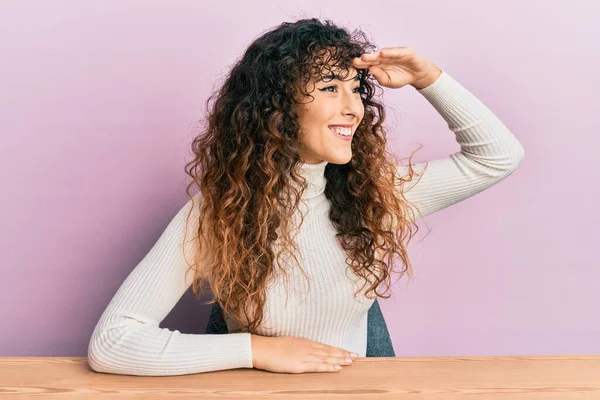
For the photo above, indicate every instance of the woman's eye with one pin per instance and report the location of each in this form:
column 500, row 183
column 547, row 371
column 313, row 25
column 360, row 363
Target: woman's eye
column 358, row 89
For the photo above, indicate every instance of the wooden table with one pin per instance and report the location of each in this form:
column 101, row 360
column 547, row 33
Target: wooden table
column 431, row 378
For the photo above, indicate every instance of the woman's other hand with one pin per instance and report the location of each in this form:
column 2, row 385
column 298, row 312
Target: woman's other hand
column 294, row 355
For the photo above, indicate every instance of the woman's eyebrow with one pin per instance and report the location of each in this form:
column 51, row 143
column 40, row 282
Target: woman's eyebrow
column 335, row 76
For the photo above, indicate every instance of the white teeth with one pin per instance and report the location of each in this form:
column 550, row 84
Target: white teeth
column 342, row 131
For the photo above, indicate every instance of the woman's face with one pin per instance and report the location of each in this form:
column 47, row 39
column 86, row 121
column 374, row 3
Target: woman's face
column 336, row 102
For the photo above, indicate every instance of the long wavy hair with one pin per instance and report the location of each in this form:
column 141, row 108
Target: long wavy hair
column 246, row 165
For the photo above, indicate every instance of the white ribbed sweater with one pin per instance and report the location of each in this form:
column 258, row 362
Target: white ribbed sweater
column 128, row 340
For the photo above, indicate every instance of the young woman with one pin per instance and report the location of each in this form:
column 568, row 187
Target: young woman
column 301, row 212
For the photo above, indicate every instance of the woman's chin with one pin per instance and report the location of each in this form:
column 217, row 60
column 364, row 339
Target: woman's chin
column 340, row 159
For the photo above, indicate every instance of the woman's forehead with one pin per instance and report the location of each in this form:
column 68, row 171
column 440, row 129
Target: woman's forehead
column 322, row 63
column 348, row 74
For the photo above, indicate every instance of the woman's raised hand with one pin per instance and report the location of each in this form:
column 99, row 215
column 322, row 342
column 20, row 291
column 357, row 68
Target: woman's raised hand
column 294, row 355
column 395, row 67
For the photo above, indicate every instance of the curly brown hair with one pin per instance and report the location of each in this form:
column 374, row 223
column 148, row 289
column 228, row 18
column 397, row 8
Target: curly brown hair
column 246, row 165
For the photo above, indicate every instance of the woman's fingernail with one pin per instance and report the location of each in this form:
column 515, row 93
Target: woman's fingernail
column 354, row 355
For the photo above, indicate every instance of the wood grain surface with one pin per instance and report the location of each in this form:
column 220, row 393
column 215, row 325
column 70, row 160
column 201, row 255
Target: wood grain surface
column 431, row 378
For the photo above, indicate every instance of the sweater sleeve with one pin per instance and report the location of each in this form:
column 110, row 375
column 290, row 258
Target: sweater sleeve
column 488, row 151
column 128, row 340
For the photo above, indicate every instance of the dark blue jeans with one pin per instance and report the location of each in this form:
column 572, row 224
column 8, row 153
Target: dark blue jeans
column 379, row 343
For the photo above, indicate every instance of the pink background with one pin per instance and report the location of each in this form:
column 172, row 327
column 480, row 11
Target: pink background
column 98, row 108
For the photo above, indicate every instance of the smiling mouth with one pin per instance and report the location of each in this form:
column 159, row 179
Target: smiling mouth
column 343, row 133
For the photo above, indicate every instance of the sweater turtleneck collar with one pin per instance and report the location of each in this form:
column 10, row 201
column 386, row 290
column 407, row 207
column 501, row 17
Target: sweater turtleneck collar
column 315, row 178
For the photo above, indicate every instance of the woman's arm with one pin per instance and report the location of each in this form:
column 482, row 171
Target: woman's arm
column 128, row 340
column 488, row 150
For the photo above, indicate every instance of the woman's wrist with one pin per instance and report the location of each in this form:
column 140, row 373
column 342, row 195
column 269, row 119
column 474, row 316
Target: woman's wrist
column 433, row 73
column 257, row 343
